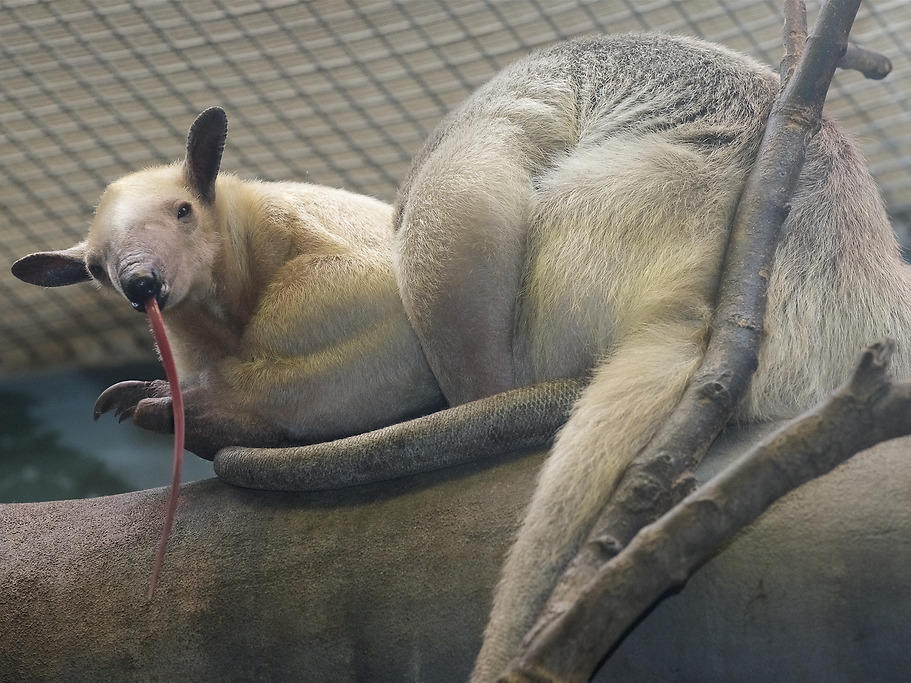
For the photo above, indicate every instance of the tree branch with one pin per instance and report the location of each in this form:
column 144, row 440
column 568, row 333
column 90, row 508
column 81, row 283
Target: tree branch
column 864, row 411
column 794, row 37
column 659, row 477
column 870, row 64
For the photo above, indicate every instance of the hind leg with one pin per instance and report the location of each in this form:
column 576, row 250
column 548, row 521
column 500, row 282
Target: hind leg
column 629, row 396
column 460, row 247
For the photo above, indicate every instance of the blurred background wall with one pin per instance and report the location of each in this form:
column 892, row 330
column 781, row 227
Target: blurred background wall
column 337, row 92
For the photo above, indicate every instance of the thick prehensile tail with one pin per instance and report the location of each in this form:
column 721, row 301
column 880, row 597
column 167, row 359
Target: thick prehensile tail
column 516, row 420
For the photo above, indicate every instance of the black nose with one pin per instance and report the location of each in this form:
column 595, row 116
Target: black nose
column 140, row 286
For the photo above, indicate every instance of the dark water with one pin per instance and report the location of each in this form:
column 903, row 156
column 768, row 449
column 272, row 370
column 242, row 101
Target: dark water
column 51, row 449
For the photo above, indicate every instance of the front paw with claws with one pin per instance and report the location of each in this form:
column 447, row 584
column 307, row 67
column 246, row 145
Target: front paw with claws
column 209, row 426
column 124, row 397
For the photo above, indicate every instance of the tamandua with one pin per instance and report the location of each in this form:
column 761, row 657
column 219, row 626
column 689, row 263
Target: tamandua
column 280, row 300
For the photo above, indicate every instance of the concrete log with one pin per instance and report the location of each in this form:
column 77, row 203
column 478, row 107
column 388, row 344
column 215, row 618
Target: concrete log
column 393, row 582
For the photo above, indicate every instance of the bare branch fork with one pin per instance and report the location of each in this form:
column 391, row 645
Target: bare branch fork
column 572, row 636
column 866, row 410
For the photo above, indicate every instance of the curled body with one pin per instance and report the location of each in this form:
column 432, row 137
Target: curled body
column 570, row 220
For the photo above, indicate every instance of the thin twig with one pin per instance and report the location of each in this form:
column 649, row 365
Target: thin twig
column 659, row 477
column 794, row 37
column 871, row 64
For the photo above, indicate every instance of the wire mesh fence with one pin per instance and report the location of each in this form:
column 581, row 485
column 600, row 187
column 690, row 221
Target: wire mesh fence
column 337, row 92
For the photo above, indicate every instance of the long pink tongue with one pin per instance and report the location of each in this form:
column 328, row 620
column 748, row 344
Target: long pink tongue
column 170, row 371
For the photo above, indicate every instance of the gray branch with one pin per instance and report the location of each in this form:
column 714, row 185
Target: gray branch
column 794, row 36
column 870, row 64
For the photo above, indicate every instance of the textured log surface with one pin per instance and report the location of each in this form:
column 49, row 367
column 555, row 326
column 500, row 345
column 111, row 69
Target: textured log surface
column 392, row 582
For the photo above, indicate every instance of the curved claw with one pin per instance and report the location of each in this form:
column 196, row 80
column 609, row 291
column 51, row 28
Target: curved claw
column 121, row 397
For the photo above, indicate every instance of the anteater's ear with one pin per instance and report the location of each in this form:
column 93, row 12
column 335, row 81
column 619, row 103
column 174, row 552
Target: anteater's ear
column 53, row 268
column 205, row 143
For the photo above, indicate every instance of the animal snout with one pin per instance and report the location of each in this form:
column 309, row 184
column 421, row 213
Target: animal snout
column 140, row 285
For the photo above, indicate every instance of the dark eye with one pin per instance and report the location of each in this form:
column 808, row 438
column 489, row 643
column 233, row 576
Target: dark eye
column 183, row 210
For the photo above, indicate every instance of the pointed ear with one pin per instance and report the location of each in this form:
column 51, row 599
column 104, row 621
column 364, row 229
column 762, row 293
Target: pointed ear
column 205, row 143
column 53, row 268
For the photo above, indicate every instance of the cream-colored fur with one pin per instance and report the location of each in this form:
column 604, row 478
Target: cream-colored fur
column 279, row 299
column 577, row 208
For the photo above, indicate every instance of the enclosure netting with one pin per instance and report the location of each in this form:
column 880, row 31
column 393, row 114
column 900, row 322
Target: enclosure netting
column 333, row 92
